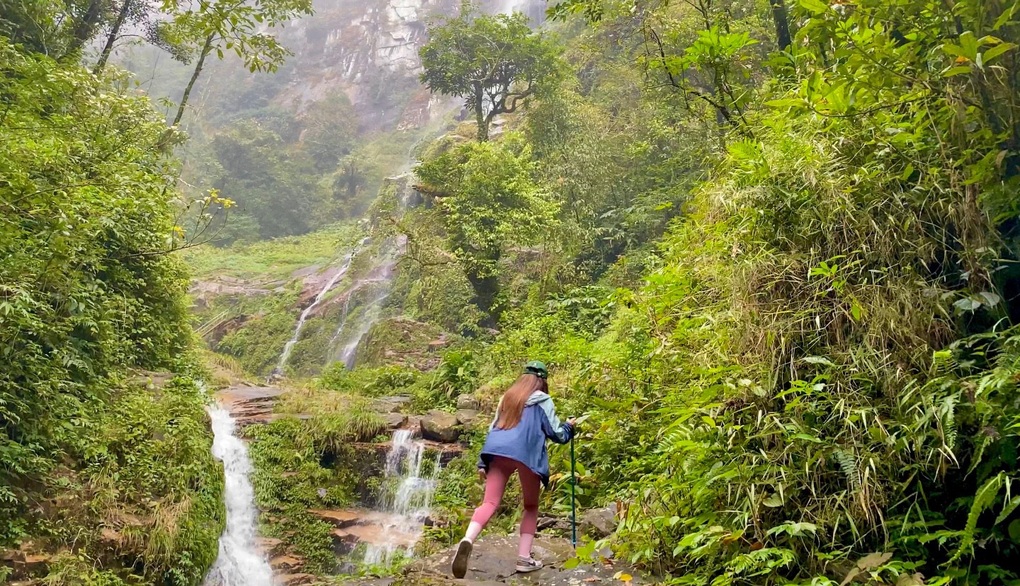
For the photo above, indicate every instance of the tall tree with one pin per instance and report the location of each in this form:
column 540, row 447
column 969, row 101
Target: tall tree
column 128, row 11
column 781, row 18
column 495, row 62
column 330, row 129
column 489, row 201
column 205, row 27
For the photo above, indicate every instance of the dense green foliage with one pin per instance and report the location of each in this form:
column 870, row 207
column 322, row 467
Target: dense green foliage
column 312, row 463
column 99, row 467
column 816, row 360
column 768, row 248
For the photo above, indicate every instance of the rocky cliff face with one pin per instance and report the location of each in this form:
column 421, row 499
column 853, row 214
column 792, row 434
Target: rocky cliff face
column 369, row 50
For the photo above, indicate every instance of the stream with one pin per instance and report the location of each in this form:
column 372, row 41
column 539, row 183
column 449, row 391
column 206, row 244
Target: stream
column 239, row 562
column 408, row 502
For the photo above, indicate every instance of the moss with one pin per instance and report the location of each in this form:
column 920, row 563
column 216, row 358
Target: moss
column 260, row 339
column 311, row 463
column 399, row 341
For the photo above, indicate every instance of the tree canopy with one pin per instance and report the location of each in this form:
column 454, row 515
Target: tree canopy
column 494, row 62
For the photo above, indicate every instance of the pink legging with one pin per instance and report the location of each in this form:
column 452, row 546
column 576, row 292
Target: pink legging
column 500, row 471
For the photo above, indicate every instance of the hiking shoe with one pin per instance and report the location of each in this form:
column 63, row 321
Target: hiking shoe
column 525, row 565
column 460, row 561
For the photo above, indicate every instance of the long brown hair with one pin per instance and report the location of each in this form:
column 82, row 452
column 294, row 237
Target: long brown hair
column 511, row 406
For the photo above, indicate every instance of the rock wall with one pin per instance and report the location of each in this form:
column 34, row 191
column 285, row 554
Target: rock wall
column 369, row 50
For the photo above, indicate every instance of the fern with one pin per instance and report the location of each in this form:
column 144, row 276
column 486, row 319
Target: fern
column 848, row 464
column 942, row 363
column 983, row 500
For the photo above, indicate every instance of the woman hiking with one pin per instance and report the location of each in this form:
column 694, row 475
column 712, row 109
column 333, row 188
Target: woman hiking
column 525, row 418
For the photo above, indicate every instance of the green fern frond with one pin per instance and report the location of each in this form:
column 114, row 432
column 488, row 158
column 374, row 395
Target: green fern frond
column 943, row 363
column 983, row 500
column 848, row 464
column 949, row 421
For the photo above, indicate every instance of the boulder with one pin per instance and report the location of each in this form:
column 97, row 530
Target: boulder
column 394, row 420
column 440, row 426
column 598, row 522
column 466, row 417
column 468, row 402
column 391, row 404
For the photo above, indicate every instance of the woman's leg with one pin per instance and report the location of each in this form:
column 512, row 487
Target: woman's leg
column 531, row 487
column 496, row 478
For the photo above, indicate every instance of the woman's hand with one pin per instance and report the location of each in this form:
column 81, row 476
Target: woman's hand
column 572, row 421
column 481, row 474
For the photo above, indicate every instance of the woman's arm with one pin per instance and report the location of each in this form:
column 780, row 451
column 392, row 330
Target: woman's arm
column 551, row 425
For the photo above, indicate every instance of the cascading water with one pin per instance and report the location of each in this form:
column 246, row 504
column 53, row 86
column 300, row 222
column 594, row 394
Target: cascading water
column 409, row 503
column 289, row 346
column 379, row 285
column 239, row 562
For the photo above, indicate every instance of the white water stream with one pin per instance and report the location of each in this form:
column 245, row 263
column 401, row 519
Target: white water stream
column 239, row 562
column 409, row 504
column 289, row 347
column 379, row 284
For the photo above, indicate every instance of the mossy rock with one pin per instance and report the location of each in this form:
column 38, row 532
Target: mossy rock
column 401, row 341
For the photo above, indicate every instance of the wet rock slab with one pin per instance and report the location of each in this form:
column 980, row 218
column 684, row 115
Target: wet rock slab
column 250, row 404
column 492, row 563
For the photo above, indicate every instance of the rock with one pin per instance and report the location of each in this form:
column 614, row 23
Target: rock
column 466, row 417
column 295, row 579
column 110, row 537
column 391, row 404
column 11, row 556
column 468, row 402
column 35, row 565
column 344, row 541
column 394, row 420
column 271, row 546
column 598, row 523
column 553, row 524
column 339, row 519
column 492, row 563
column 440, row 426
column 286, row 563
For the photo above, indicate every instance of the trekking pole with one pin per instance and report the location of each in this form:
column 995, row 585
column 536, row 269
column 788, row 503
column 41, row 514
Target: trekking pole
column 573, row 504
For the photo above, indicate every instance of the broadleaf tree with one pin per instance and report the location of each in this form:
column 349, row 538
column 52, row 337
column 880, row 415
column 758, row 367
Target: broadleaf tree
column 496, row 63
column 201, row 28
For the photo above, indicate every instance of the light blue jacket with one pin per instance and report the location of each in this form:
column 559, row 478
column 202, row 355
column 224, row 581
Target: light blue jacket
column 526, row 442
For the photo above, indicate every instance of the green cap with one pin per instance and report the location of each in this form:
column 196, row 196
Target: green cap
column 536, row 368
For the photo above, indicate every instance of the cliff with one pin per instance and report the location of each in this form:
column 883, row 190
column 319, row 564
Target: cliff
column 369, row 50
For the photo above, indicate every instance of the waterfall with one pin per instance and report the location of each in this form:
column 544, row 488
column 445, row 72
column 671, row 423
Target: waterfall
column 289, row 346
column 239, row 562
column 381, row 283
column 409, row 504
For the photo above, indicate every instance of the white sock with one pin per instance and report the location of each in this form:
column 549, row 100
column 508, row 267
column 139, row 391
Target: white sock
column 473, row 530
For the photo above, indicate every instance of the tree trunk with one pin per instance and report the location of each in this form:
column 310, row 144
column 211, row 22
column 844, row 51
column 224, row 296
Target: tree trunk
column 782, row 20
column 125, row 8
column 483, row 124
column 486, row 290
column 206, row 49
column 84, row 28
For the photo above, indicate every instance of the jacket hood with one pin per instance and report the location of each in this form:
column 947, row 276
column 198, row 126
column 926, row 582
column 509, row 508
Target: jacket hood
column 536, row 398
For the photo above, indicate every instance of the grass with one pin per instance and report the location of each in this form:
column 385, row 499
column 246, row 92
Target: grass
column 273, row 260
